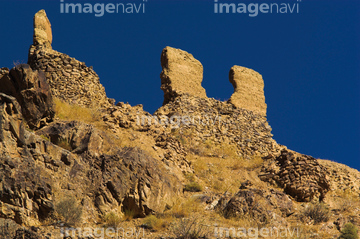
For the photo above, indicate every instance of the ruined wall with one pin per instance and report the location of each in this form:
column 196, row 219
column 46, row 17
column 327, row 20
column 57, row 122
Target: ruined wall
column 221, row 122
column 248, row 89
column 69, row 79
column 301, row 176
column 181, row 74
column 42, row 29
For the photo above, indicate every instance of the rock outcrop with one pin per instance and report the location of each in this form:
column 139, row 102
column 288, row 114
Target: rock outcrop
column 32, row 91
column 69, row 79
column 248, row 89
column 39, row 170
column 301, row 176
column 260, row 204
column 181, row 74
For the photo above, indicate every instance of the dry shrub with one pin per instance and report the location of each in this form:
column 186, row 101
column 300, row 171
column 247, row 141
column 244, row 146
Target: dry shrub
column 154, row 223
column 318, row 212
column 69, row 210
column 63, row 143
column 112, row 219
column 193, row 187
column 350, row 231
column 190, row 228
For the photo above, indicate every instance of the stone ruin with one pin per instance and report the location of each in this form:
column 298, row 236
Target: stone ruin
column 70, row 80
column 301, row 176
column 248, row 89
column 74, row 82
column 183, row 74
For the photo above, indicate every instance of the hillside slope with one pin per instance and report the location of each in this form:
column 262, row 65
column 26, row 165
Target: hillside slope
column 74, row 165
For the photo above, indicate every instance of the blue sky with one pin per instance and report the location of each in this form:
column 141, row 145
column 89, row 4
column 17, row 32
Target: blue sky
column 309, row 60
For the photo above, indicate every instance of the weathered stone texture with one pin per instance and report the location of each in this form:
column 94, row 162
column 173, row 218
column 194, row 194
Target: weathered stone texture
column 248, row 89
column 36, row 173
column 181, row 73
column 69, row 79
column 42, row 29
column 221, row 122
column 32, row 91
column 301, row 176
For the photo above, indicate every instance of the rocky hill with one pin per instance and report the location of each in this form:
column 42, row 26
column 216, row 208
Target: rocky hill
column 75, row 165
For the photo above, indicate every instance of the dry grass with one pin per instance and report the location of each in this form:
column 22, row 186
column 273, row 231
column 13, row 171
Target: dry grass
column 128, row 215
column 112, row 219
column 223, row 174
column 66, row 111
column 63, row 143
column 347, row 202
column 154, row 223
column 317, row 212
column 69, row 210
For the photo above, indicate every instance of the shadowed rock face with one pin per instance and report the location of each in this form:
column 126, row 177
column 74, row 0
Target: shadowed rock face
column 181, row 74
column 248, row 89
column 32, row 91
column 42, row 29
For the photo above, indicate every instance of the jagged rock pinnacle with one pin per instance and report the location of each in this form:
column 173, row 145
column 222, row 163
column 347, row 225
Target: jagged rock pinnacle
column 248, row 89
column 181, row 74
column 42, row 29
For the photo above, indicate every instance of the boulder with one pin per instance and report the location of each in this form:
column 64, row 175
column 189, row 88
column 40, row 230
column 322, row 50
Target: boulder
column 181, row 74
column 248, row 90
column 259, row 204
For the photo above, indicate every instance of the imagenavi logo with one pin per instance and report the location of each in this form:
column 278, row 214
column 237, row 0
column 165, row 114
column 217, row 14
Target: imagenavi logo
column 253, row 9
column 99, row 9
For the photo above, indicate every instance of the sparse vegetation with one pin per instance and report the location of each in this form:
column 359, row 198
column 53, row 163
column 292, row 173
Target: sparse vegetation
column 112, row 219
column 154, row 223
column 44, row 137
column 69, row 210
column 63, row 143
column 128, row 215
column 318, row 212
column 65, row 111
column 350, row 231
column 190, row 228
column 193, row 187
